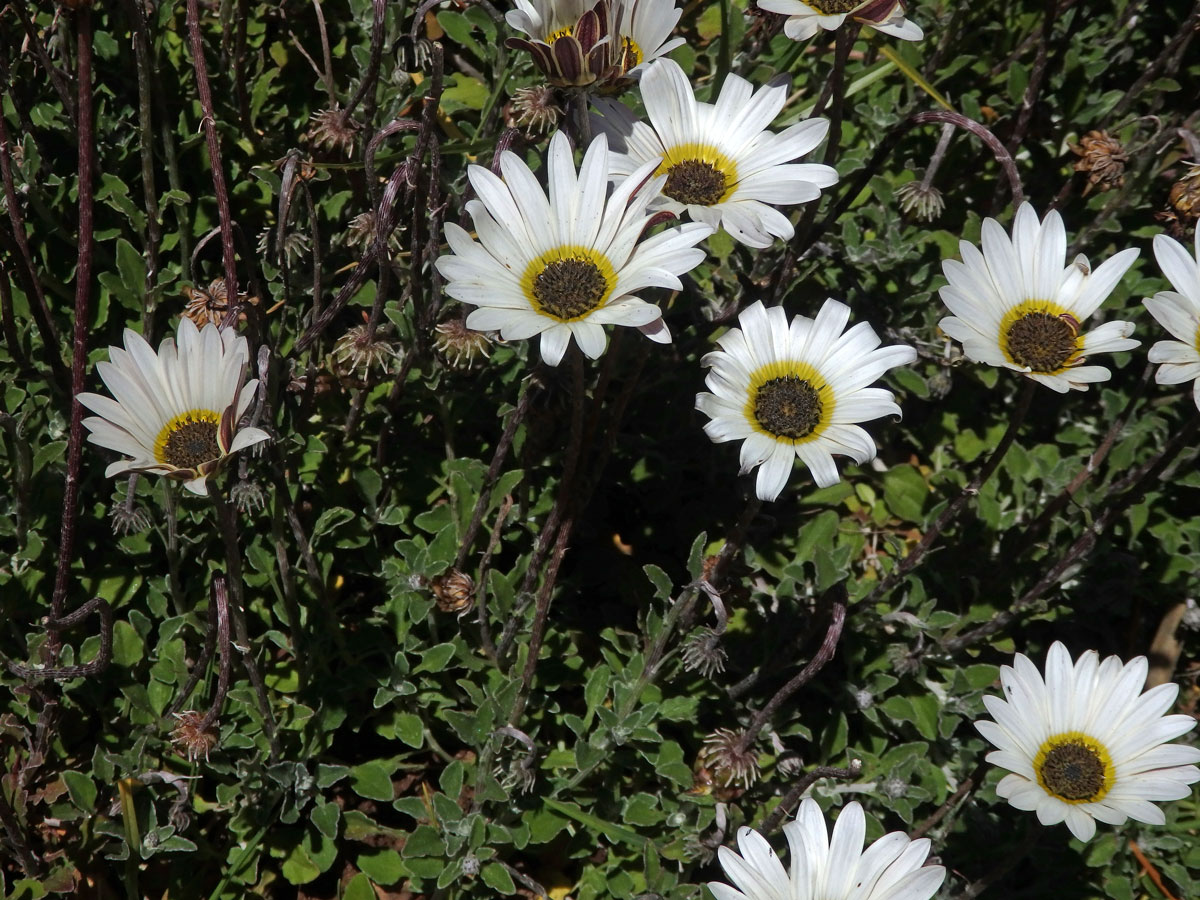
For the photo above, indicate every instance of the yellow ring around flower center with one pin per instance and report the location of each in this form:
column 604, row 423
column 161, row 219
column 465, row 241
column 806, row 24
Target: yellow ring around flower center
column 569, row 283
column 189, row 439
column 633, row 53
column 1042, row 336
column 698, row 173
column 561, row 33
column 797, row 402
column 1074, row 767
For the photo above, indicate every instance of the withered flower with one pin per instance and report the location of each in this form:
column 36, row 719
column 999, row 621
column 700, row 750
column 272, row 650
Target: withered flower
column 535, row 109
column 458, row 344
column 329, row 130
column 454, row 591
column 1103, row 158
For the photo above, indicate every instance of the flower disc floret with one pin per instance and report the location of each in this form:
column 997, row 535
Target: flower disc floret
column 797, row 389
column 721, row 166
column 1014, row 304
column 1083, row 743
column 174, row 412
column 565, row 265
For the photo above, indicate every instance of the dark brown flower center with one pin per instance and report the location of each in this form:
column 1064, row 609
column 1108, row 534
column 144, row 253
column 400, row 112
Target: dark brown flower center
column 695, row 181
column 191, row 443
column 570, row 288
column 1041, row 341
column 834, row 7
column 788, row 407
column 1073, row 771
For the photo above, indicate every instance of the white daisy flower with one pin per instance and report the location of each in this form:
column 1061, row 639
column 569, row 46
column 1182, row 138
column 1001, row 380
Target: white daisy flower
column 829, row 868
column 797, row 390
column 1085, row 744
column 174, row 412
column 1178, row 311
column 568, row 265
column 807, row 17
column 644, row 28
column 1016, row 306
column 721, row 167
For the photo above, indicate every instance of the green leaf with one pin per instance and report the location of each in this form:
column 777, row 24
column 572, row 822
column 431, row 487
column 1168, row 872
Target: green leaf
column 410, row 729
column 663, row 586
column 299, row 867
column 82, row 790
column 359, row 887
column 326, row 816
column 434, row 659
column 384, row 867
column 372, row 781
column 904, row 492
column 127, row 646
column 497, row 878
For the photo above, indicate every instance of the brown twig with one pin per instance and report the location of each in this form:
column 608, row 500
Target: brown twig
column 219, row 597
column 83, row 291
column 792, row 797
column 209, row 123
column 950, row 513
column 837, row 619
column 1149, row 870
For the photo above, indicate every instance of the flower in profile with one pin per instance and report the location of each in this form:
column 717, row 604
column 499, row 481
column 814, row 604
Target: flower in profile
column 571, row 41
column 1178, row 311
column 1084, row 743
column 644, row 32
column 1016, row 306
column 798, row 390
column 828, row 868
column 567, row 265
column 721, row 166
column 807, row 17
column 174, row 412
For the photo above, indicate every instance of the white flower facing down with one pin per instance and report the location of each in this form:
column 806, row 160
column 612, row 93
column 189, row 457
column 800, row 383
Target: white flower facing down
column 1178, row 311
column 1084, row 743
column 798, row 390
column 721, row 166
column 644, row 28
column 807, row 17
column 568, row 265
column 1016, row 306
column 174, row 412
column 825, row 868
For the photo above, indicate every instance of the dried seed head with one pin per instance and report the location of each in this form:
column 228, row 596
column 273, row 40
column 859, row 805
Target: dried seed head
column 1185, row 194
column 210, row 304
column 923, row 203
column 459, row 345
column 535, row 109
column 329, row 130
column 703, row 653
column 129, row 519
column 247, row 496
column 359, row 349
column 361, row 230
column 728, row 764
column 1103, row 158
column 191, row 738
column 454, row 591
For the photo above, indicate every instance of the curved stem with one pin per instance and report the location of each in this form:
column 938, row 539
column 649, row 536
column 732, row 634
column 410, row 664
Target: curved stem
column 837, row 620
column 950, row 513
column 771, row 822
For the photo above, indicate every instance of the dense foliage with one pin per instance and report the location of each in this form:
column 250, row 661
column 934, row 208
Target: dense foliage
column 428, row 515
